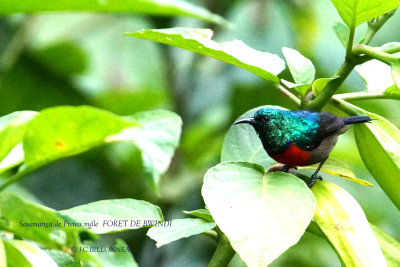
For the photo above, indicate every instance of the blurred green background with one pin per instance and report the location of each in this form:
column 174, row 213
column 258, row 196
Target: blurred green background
column 83, row 59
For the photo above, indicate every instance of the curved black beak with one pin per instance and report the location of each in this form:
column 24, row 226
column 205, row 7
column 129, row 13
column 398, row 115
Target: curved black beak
column 249, row 121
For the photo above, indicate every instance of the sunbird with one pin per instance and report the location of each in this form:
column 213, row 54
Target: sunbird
column 301, row 137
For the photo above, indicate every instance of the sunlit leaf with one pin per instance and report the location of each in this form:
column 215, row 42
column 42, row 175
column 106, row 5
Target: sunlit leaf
column 396, row 72
column 242, row 143
column 63, row 259
column 12, row 130
column 18, row 214
column 201, row 213
column 376, row 75
column 262, row 214
column 342, row 32
column 22, row 253
column 355, row 12
column 393, row 91
column 343, row 222
column 379, row 145
column 3, row 257
column 338, row 168
column 152, row 7
column 263, row 64
column 390, row 247
column 300, row 67
column 65, row 131
column 180, row 228
column 129, row 213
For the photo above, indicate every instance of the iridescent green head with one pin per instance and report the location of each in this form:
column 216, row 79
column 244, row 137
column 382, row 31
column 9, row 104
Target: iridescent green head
column 277, row 127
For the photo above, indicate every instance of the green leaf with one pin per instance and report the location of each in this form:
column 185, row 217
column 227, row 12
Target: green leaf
column 201, row 213
column 262, row 214
column 379, row 145
column 338, row 168
column 129, row 213
column 263, row 64
column 63, row 259
column 301, row 89
column 65, row 131
column 123, row 258
column 151, row 7
column 180, row 228
column 3, row 257
column 355, row 12
column 12, row 130
column 342, row 32
column 375, row 74
column 300, row 67
column 396, row 72
column 242, row 143
column 392, row 90
column 319, row 84
column 17, row 215
column 390, row 247
column 157, row 139
column 343, row 222
column 22, row 253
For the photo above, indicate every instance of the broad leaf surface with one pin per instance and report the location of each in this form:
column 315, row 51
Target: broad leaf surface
column 300, row 67
column 390, row 247
column 263, row 64
column 242, row 143
column 393, row 91
column 65, row 131
column 376, row 75
column 355, row 12
column 12, row 130
column 152, row 7
column 63, row 259
column 15, row 211
column 338, row 168
column 180, row 228
column 22, row 253
column 127, row 211
column 262, row 214
column 342, row 32
column 343, row 222
column 300, row 89
column 379, row 145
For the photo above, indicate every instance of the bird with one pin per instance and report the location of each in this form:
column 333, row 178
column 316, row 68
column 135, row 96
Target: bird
column 299, row 137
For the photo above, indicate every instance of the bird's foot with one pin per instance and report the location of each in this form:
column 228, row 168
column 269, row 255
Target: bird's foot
column 313, row 179
column 289, row 169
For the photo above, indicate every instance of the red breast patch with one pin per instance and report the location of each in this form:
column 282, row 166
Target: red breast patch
column 292, row 156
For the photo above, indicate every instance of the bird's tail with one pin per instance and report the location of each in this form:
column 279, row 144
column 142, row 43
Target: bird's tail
column 356, row 119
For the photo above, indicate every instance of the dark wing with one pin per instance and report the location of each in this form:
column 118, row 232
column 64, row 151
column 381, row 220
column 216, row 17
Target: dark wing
column 328, row 124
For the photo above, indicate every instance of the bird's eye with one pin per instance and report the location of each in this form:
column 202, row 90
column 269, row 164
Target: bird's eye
column 266, row 118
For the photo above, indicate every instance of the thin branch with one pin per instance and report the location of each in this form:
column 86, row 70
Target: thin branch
column 291, row 96
column 366, row 95
column 374, row 53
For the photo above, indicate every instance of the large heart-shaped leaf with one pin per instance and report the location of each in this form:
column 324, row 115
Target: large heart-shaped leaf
column 355, row 12
column 263, row 64
column 262, row 214
column 343, row 222
column 242, row 143
column 129, row 213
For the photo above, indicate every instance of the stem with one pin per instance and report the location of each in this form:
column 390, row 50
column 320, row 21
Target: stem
column 392, row 50
column 323, row 98
column 291, row 96
column 224, row 252
column 366, row 95
column 344, row 106
column 350, row 41
column 374, row 26
column 374, row 53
